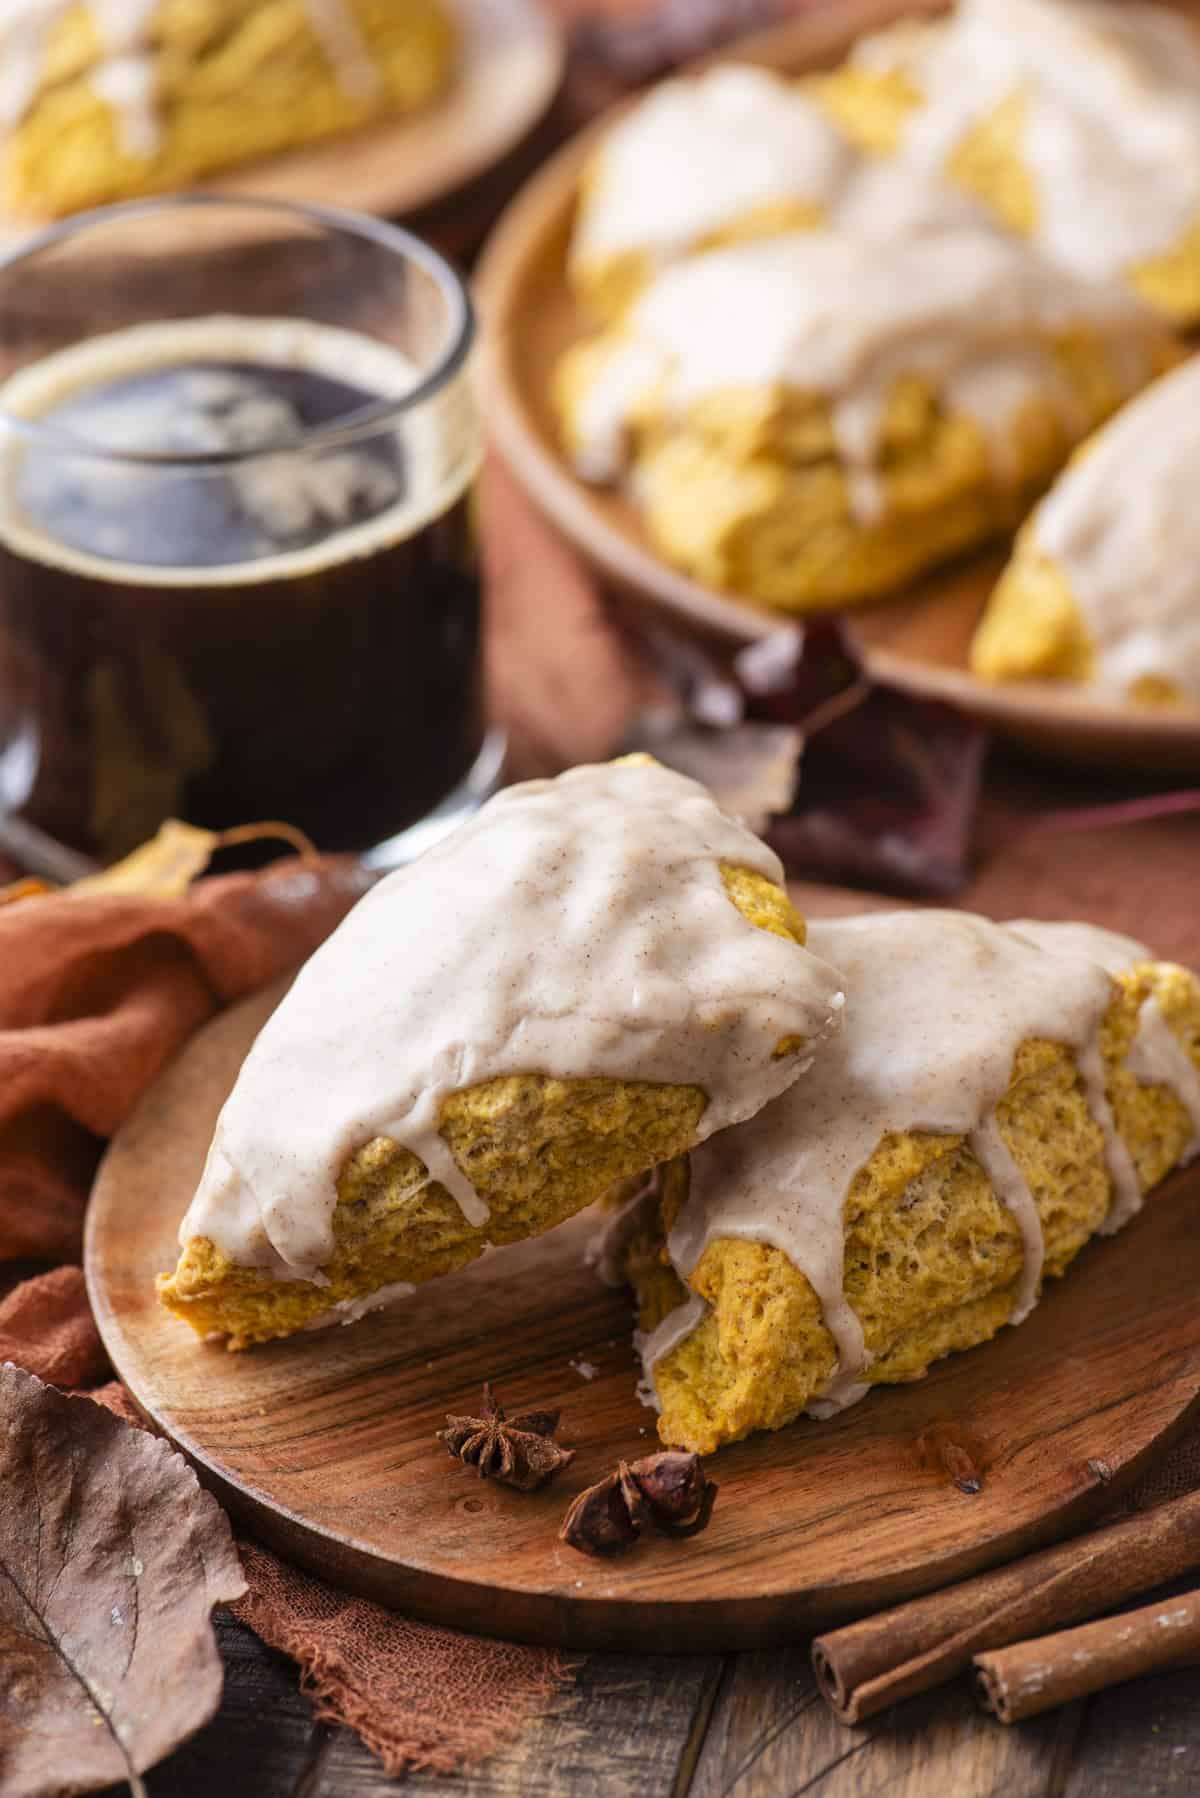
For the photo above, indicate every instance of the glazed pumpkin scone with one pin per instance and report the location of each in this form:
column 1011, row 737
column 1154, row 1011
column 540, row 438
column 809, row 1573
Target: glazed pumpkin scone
column 735, row 153
column 1076, row 122
column 998, row 1095
column 593, row 974
column 1104, row 584
column 107, row 99
column 816, row 418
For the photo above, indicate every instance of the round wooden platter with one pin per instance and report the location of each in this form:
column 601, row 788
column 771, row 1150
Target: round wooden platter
column 918, row 641
column 324, row 1445
column 510, row 66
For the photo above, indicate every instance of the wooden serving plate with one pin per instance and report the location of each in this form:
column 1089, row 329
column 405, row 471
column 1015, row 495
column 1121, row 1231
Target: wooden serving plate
column 511, row 60
column 324, row 1445
column 918, row 641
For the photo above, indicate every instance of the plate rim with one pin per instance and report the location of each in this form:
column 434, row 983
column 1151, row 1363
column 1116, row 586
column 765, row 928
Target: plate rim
column 551, row 1610
column 486, row 33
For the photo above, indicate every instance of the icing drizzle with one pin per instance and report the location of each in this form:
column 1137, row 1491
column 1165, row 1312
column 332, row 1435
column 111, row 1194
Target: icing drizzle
column 576, row 927
column 938, row 1004
column 840, row 317
column 1129, row 550
column 126, row 74
column 699, row 154
column 1110, row 127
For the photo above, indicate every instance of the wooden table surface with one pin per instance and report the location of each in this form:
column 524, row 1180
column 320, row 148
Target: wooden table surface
column 738, row 1726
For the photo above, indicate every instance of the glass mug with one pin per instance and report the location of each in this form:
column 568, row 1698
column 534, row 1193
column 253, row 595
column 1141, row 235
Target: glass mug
column 238, row 573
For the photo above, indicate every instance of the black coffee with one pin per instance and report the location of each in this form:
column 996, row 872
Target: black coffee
column 288, row 635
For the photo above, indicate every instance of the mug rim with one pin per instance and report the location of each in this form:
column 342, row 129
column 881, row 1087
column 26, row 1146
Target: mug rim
column 334, row 220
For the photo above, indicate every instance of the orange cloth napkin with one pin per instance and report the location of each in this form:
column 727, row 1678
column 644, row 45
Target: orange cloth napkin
column 96, row 994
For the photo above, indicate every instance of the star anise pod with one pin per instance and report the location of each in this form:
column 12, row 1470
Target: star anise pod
column 669, row 1492
column 515, row 1451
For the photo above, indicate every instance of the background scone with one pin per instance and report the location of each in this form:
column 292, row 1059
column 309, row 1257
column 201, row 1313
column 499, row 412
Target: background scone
column 998, row 1095
column 592, row 975
column 1077, row 122
column 735, row 153
column 1104, row 585
column 106, row 99
column 815, row 418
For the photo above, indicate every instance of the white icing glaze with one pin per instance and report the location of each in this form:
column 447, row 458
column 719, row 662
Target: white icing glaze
column 1156, row 1057
column 1012, row 1189
column 1123, row 527
column 1114, row 951
column 1111, row 132
column 895, row 198
column 123, row 77
column 825, row 314
column 126, row 75
column 938, row 1003
column 129, row 86
column 1126, row 1199
column 348, row 1311
column 346, row 49
column 576, row 927
column 1160, row 1059
column 697, row 155
column 654, row 1345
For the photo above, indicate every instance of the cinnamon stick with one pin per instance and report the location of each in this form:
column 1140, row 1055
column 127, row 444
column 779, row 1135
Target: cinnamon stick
column 868, row 1665
column 1031, row 1677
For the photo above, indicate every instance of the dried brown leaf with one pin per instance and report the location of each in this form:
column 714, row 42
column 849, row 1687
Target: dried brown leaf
column 111, row 1560
column 166, row 866
column 888, row 783
column 27, row 888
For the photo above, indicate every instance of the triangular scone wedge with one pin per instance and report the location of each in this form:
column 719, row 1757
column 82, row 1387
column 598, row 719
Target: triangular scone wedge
column 143, row 96
column 813, row 419
column 1104, row 583
column 998, row 1095
column 736, row 152
column 590, row 977
column 1075, row 123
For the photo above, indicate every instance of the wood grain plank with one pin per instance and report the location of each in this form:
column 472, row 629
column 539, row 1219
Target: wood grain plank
column 622, row 1731
column 1142, row 1738
column 771, row 1733
column 260, row 1741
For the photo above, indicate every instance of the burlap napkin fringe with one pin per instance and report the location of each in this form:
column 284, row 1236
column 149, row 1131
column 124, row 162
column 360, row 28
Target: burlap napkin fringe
column 418, row 1696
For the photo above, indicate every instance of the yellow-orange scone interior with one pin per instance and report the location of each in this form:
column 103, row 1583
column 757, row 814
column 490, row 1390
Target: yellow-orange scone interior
column 127, row 97
column 530, row 1145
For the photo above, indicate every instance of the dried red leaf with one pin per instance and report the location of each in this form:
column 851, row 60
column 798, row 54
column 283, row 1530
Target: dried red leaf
column 113, row 1559
column 888, row 783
